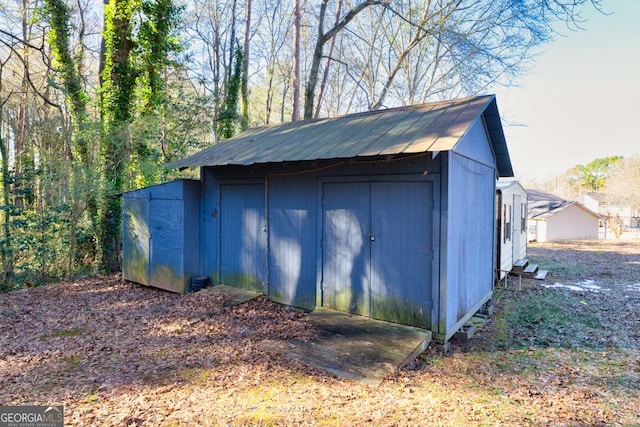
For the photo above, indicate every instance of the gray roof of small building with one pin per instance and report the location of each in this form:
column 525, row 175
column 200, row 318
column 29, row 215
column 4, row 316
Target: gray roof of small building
column 541, row 205
column 431, row 127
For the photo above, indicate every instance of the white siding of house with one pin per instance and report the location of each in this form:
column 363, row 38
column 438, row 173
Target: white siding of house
column 508, row 253
column 572, row 223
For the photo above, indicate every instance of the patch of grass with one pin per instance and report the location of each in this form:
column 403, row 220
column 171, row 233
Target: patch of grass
column 260, row 417
column 64, row 333
column 559, row 268
column 72, row 362
column 542, row 319
column 195, row 376
column 92, row 398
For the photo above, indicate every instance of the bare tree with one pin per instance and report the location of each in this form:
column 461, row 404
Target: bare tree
column 623, row 185
column 295, row 75
column 412, row 51
column 321, row 40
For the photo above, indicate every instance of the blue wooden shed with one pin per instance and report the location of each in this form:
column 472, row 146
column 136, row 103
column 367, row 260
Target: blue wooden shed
column 387, row 214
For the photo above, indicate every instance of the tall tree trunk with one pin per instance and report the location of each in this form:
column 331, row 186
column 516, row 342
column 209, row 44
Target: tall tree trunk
column 323, row 38
column 82, row 176
column 118, row 79
column 244, row 88
column 6, row 251
column 21, row 128
column 295, row 113
column 325, row 74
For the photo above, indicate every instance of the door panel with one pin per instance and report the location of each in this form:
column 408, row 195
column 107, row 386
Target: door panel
column 345, row 229
column 402, row 254
column 243, row 238
column 516, row 212
column 165, row 224
column 136, row 251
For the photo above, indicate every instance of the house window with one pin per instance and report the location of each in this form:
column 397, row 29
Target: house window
column 523, row 218
column 507, row 222
column 533, row 231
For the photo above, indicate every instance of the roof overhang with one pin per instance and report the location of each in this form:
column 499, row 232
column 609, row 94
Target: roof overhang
column 431, row 127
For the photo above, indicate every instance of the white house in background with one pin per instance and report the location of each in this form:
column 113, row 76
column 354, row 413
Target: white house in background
column 552, row 218
column 599, row 202
column 511, row 225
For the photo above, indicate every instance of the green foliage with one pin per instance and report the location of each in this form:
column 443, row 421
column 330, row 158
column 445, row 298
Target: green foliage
column 58, row 15
column 156, row 42
column 37, row 246
column 229, row 119
column 139, row 40
column 119, row 74
column 60, row 208
column 593, row 176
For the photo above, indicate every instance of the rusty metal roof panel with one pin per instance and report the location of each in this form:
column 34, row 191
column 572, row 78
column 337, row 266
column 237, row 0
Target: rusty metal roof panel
column 434, row 126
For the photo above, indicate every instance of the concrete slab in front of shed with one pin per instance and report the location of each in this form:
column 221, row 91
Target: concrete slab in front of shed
column 236, row 296
column 357, row 347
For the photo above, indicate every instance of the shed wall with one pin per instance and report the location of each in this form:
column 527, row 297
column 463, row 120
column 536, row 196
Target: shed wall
column 572, row 222
column 161, row 235
column 468, row 244
column 293, row 201
column 465, row 206
column 475, row 145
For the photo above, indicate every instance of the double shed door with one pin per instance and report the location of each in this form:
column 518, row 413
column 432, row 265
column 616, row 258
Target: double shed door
column 377, row 249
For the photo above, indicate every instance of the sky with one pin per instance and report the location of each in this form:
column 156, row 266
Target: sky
column 581, row 99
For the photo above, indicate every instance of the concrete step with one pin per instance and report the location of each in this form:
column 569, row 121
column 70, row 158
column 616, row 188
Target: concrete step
column 530, row 271
column 541, row 274
column 520, row 265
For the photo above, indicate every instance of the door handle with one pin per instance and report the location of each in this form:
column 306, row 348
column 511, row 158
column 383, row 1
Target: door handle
column 372, row 237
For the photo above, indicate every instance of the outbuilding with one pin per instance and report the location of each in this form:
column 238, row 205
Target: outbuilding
column 552, row 218
column 387, row 214
column 511, row 225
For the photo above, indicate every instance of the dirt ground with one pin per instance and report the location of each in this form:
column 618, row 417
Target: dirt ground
column 564, row 351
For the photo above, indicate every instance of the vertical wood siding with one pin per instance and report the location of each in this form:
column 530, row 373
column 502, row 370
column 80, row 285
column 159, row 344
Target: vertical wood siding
column 160, row 235
column 377, row 249
column 345, row 247
column 512, row 246
column 402, row 252
column 468, row 234
column 243, row 236
column 135, row 238
column 292, row 240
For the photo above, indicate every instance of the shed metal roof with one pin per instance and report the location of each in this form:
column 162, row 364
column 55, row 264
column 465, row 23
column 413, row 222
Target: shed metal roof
column 431, row 127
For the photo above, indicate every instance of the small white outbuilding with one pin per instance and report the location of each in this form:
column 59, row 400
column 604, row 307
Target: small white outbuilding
column 511, row 225
column 553, row 218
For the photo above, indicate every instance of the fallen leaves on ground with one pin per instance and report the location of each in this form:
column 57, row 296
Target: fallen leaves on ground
column 117, row 353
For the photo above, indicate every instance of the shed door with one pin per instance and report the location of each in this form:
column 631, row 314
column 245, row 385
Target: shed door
column 166, row 226
column 136, row 241
column 402, row 252
column 517, row 223
column 243, row 236
column 377, row 250
column 346, row 249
